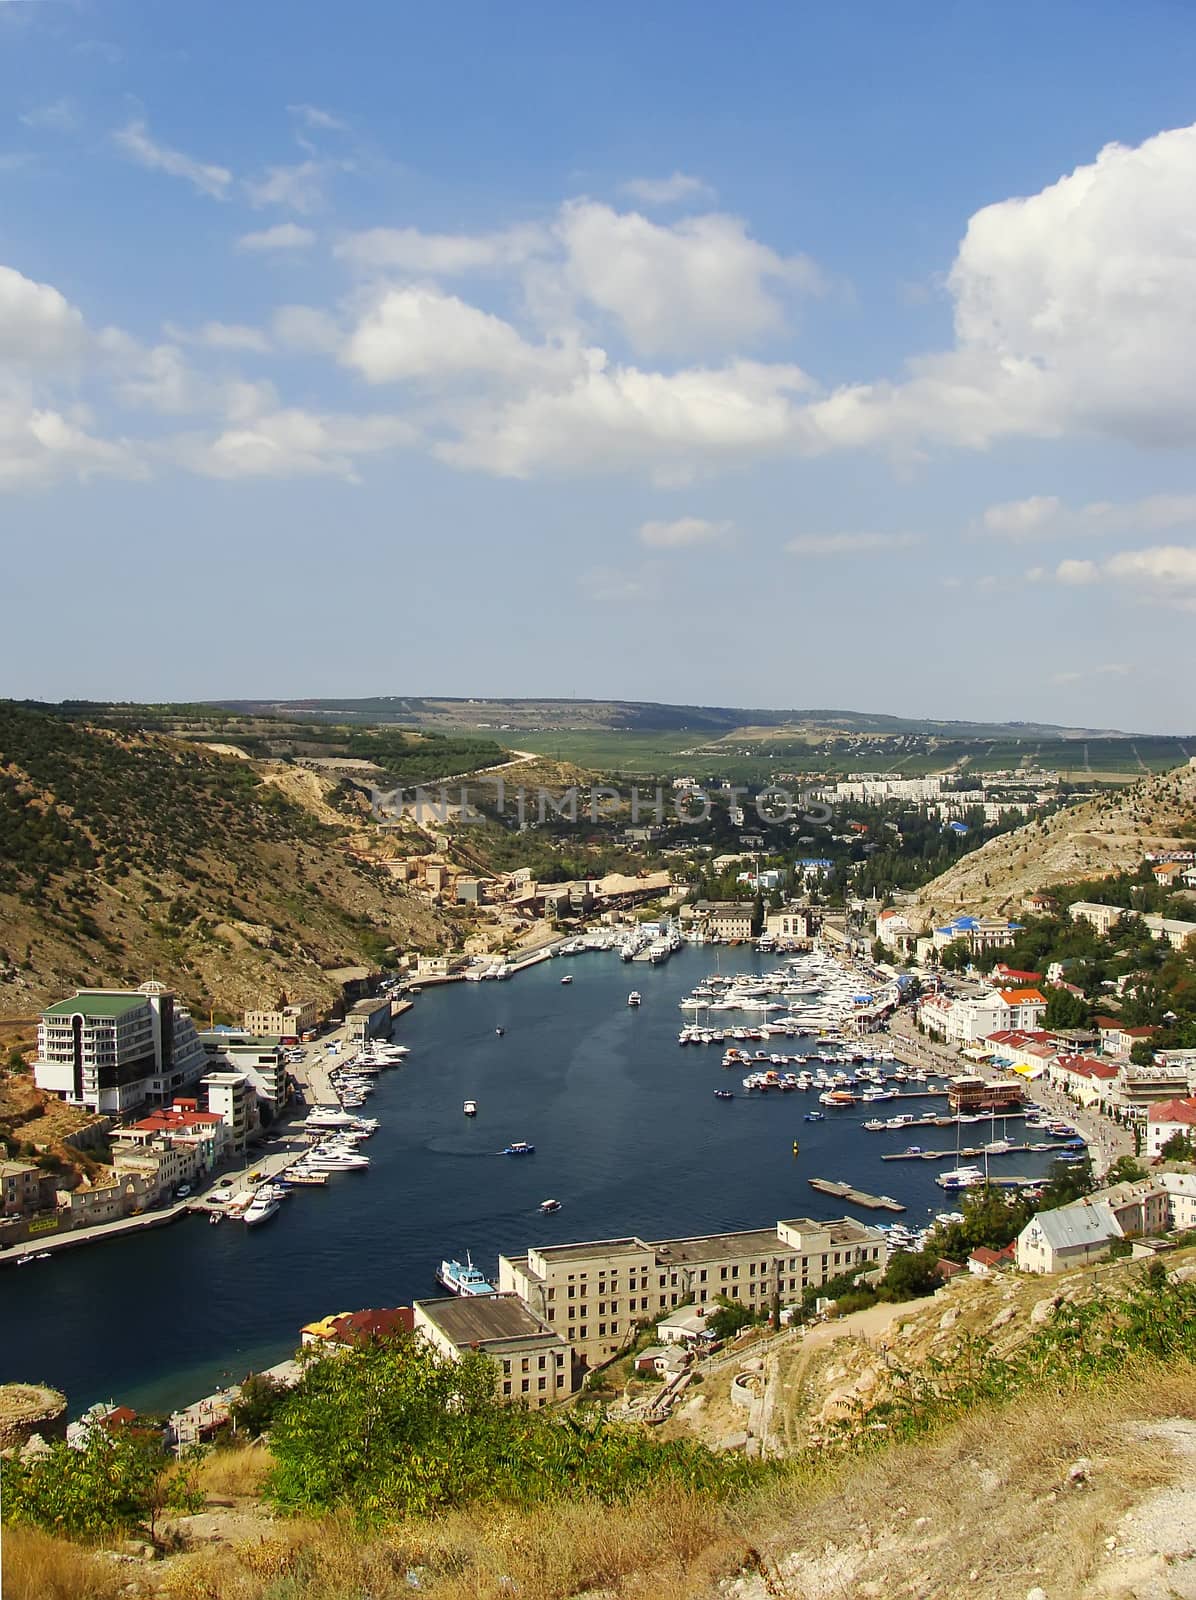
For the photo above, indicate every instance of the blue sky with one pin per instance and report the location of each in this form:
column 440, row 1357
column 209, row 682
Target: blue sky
column 793, row 356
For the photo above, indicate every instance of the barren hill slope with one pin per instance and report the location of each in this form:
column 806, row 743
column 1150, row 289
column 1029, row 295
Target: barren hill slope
column 1106, row 835
column 126, row 855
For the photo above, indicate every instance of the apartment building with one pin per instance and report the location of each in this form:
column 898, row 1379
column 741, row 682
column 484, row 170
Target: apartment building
column 594, row 1294
column 284, row 1021
column 534, row 1362
column 112, row 1050
column 259, row 1057
column 232, row 1097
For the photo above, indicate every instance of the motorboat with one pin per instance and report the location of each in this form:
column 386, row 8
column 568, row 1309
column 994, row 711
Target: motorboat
column 724, row 1094
column 466, row 1281
column 262, row 1207
column 520, row 1147
column 815, row 1116
column 874, row 1125
column 635, row 998
column 470, row 1108
column 549, row 1205
column 568, row 978
column 500, row 1032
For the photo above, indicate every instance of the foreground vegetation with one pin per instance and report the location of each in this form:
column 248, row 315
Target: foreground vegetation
column 979, row 1449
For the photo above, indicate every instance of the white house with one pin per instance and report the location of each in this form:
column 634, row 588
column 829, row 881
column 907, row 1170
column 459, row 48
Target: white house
column 1167, row 1118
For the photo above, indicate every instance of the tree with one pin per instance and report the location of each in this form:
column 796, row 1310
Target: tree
column 956, row 956
column 1125, row 1170
column 259, row 1398
column 1069, row 1180
column 909, row 1276
column 728, row 1318
column 117, row 1482
column 1179, row 1147
column 1066, row 1010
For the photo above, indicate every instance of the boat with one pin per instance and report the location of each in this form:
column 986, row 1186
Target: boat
column 568, row 978
column 520, row 1147
column 874, row 1125
column 470, row 1108
column 550, row 1205
column 214, row 1217
column 500, row 1032
column 960, row 1178
column 465, row 1281
column 262, row 1207
column 815, row 1116
column 635, row 998
column 723, row 1094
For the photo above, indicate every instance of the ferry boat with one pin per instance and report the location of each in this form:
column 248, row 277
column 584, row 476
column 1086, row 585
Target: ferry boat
column 520, row 1147
column 635, row 998
column 465, row 1281
column 549, row 1205
column 470, row 1108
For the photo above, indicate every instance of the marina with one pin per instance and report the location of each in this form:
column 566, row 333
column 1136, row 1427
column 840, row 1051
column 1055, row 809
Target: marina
column 627, row 1131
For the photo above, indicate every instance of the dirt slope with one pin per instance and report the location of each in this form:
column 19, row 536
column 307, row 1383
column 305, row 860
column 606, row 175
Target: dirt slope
column 1101, row 836
column 130, row 855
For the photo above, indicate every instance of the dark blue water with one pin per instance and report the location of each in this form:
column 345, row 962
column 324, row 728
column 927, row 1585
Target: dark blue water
column 628, row 1136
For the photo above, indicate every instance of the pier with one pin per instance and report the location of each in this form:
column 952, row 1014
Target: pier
column 858, row 1197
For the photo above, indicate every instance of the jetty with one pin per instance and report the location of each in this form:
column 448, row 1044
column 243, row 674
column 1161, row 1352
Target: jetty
column 858, row 1197
column 971, row 1150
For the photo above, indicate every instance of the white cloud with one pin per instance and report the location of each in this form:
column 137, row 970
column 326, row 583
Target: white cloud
column 701, row 283
column 616, row 418
column 38, row 326
column 299, row 188
column 41, row 445
column 140, row 147
column 1077, row 572
column 847, row 544
column 59, row 116
column 421, row 333
column 307, row 329
column 1021, row 519
column 1048, row 517
column 284, row 236
column 317, row 118
column 448, row 255
column 615, row 586
column 292, row 443
column 666, row 191
column 221, row 336
column 682, row 532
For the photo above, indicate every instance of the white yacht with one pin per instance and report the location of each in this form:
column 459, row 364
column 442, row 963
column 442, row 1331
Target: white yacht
column 263, row 1206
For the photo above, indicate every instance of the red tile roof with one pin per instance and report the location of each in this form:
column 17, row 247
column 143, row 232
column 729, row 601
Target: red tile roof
column 357, row 1327
column 1183, row 1111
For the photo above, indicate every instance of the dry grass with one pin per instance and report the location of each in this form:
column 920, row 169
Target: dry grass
column 984, row 1508
column 234, row 1474
column 37, row 1567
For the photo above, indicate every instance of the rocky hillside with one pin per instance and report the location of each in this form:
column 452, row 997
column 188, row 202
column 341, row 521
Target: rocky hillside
column 127, row 854
column 1102, row 836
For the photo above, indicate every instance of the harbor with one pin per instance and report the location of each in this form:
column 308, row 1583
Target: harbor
column 628, row 1137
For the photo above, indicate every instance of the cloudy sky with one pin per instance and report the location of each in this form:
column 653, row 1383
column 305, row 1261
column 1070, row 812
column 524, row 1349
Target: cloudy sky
column 810, row 355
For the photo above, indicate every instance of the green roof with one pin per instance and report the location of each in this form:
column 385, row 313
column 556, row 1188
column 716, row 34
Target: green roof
column 95, row 1003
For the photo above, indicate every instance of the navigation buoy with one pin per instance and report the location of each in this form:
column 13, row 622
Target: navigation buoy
column 795, row 1147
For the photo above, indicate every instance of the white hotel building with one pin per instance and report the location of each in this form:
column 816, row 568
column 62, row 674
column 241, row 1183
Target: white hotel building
column 112, row 1050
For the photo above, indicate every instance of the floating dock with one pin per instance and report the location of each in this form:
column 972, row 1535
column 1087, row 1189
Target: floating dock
column 845, row 1191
